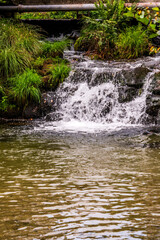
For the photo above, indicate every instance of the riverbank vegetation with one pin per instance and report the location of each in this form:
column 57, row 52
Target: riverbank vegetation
column 28, row 66
column 117, row 32
column 47, row 15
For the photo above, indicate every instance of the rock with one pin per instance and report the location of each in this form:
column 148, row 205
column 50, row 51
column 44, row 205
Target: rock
column 54, row 117
column 156, row 41
column 135, row 77
column 31, row 111
column 156, row 89
column 81, row 75
column 40, row 110
column 127, row 94
column 153, row 109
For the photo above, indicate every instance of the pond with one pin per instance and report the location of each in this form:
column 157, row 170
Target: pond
column 79, row 185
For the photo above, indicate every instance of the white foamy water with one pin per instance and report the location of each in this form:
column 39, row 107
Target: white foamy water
column 81, row 126
column 89, row 101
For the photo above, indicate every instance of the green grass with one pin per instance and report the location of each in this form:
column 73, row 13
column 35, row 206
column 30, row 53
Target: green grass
column 54, row 49
column 48, row 15
column 58, row 74
column 18, row 45
column 25, row 88
column 133, row 43
column 22, row 49
column 117, row 32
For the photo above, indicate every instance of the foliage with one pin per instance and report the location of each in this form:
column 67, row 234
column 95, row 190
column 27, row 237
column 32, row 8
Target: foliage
column 3, row 99
column 13, row 60
column 18, row 44
column 132, row 43
column 98, row 36
column 57, row 74
column 145, row 17
column 110, row 10
column 38, row 62
column 25, row 88
column 54, row 49
column 5, row 2
column 48, row 15
column 21, row 49
column 118, row 32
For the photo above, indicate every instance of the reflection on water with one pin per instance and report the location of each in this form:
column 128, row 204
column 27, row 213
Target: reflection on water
column 79, row 186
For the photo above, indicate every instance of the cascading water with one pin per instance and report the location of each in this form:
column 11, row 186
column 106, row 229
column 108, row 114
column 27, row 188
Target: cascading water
column 102, row 95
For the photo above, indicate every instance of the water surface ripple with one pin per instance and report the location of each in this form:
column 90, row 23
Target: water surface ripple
column 61, row 186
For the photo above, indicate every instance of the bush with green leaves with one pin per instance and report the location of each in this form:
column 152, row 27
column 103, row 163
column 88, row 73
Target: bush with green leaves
column 3, row 99
column 19, row 43
column 54, row 49
column 25, row 88
column 116, row 32
column 58, row 74
column 48, row 15
column 132, row 43
column 100, row 31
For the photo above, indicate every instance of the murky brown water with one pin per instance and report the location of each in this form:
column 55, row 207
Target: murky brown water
column 78, row 186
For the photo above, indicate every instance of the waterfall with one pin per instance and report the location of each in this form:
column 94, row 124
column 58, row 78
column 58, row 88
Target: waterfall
column 102, row 95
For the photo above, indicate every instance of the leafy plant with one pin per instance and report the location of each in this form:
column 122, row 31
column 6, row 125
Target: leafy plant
column 19, row 43
column 54, row 49
column 145, row 17
column 3, row 99
column 38, row 62
column 25, row 88
column 98, row 37
column 4, row 104
column 48, row 15
column 110, row 10
column 58, row 75
column 13, row 60
column 132, row 43
column 5, row 2
column 118, row 32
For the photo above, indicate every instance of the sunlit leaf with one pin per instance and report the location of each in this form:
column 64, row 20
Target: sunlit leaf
column 155, row 9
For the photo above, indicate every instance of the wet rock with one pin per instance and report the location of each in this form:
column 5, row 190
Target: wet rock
column 127, row 94
column 102, row 76
column 74, row 35
column 40, row 110
column 156, row 89
column 153, row 108
column 135, row 77
column 54, row 117
column 153, row 100
column 106, row 110
column 11, row 113
column 156, row 41
column 81, row 75
column 31, row 111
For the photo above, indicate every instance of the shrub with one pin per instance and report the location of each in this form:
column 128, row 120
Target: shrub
column 38, row 62
column 3, row 99
column 133, row 43
column 117, row 32
column 13, row 60
column 110, row 10
column 25, row 88
column 98, row 37
column 54, row 49
column 48, row 15
column 58, row 75
column 18, row 44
